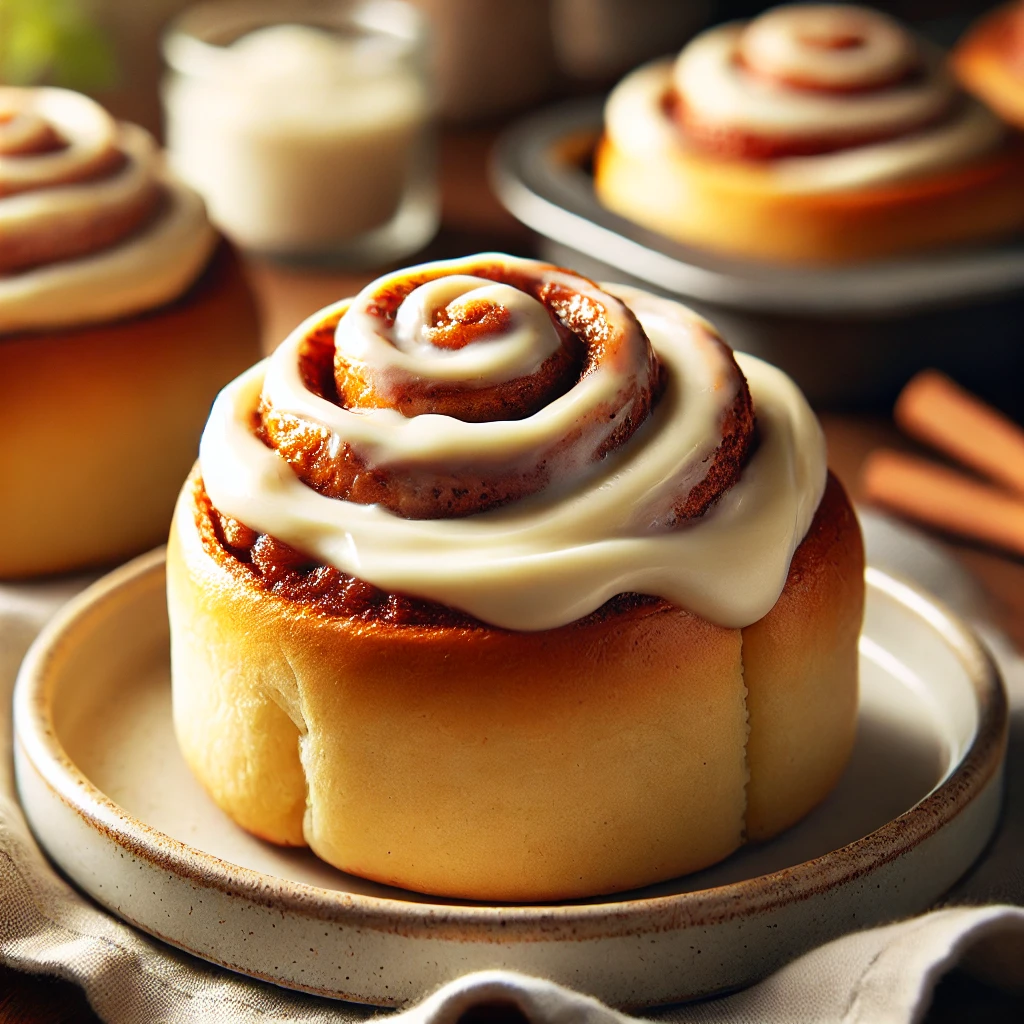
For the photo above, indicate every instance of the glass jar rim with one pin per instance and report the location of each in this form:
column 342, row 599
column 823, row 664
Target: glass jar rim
column 190, row 45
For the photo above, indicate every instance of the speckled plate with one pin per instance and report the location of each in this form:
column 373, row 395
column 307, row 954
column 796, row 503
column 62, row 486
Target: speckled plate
column 110, row 799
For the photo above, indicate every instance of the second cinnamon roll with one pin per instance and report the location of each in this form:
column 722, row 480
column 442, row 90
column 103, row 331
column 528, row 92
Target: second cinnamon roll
column 818, row 133
column 121, row 315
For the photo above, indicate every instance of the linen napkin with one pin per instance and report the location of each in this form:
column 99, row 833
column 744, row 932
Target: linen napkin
column 879, row 976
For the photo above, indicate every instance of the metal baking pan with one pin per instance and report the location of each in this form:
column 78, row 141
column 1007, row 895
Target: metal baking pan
column 850, row 336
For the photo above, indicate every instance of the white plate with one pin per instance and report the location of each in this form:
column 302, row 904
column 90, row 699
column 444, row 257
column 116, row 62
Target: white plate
column 110, row 799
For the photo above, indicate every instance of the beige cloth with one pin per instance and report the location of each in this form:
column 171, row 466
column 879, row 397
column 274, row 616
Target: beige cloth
column 880, row 976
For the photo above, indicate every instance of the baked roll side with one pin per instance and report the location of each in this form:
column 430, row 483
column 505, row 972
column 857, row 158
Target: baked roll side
column 800, row 665
column 229, row 692
column 733, row 208
column 104, row 421
column 463, row 761
column 989, row 61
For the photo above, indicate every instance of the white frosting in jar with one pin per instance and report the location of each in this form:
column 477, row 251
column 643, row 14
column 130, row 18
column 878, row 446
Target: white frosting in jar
column 70, row 189
column 299, row 138
column 552, row 558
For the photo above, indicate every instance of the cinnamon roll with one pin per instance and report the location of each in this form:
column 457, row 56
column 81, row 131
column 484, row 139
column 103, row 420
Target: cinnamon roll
column 989, row 61
column 495, row 583
column 120, row 317
column 813, row 133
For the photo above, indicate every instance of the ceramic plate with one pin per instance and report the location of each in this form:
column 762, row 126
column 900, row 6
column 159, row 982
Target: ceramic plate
column 110, row 799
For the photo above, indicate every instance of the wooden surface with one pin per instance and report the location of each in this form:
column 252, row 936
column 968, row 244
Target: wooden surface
column 473, row 221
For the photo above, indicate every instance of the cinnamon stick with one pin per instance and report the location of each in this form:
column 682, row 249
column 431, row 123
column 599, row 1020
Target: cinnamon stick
column 939, row 412
column 945, row 499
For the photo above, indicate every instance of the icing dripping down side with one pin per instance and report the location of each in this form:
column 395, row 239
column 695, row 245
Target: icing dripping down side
column 558, row 555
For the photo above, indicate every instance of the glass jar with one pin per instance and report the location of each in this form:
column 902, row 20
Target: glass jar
column 307, row 125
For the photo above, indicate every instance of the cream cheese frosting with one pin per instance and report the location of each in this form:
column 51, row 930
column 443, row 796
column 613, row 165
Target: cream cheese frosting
column 553, row 557
column 405, row 347
column 836, row 46
column 914, row 125
column 385, row 437
column 69, row 171
column 710, row 81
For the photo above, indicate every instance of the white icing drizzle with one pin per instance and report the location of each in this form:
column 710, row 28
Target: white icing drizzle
column 76, row 206
column 835, row 46
column 50, row 193
column 143, row 272
column 384, row 437
column 719, row 90
column 88, row 131
column 554, row 557
column 406, row 348
column 971, row 133
column 636, row 123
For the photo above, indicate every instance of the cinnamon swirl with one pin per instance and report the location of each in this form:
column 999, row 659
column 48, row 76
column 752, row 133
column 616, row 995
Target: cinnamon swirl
column 475, row 589
column 120, row 317
column 989, row 61
column 813, row 133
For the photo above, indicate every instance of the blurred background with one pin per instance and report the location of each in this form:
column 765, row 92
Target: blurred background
column 489, row 63
column 492, row 57
column 397, row 153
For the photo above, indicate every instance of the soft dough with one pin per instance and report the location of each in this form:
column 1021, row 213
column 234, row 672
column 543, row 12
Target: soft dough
column 104, row 421
column 487, row 764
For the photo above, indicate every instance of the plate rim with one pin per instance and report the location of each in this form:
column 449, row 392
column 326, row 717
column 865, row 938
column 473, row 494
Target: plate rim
column 541, row 195
column 37, row 738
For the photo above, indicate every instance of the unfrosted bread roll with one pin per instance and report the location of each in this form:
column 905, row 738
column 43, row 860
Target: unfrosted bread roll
column 812, row 134
column 989, row 61
column 591, row 686
column 121, row 315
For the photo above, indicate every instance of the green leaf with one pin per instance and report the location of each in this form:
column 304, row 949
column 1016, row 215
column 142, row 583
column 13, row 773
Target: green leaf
column 53, row 41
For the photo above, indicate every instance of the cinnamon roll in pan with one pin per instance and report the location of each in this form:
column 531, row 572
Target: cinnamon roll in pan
column 121, row 315
column 989, row 61
column 642, row 656
column 812, row 134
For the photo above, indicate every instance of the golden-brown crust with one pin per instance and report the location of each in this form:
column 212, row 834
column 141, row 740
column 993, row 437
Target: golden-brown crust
column 103, row 422
column 476, row 762
column 989, row 61
column 732, row 207
column 469, row 762
column 800, row 667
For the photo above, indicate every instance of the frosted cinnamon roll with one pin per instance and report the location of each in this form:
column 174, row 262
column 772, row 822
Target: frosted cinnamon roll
column 814, row 133
column 496, row 583
column 120, row 316
column 989, row 61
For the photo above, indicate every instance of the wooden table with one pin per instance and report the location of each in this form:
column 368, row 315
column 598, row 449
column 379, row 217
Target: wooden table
column 473, row 222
